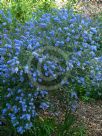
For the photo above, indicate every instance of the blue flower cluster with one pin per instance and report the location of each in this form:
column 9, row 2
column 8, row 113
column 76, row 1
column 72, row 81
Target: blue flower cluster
column 96, row 76
column 5, row 19
column 20, row 107
column 75, row 35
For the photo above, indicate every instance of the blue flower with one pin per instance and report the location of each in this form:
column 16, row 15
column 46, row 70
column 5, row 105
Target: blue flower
column 36, row 93
column 8, row 106
column 44, row 106
column 85, row 45
column 26, row 69
column 81, row 80
column 28, row 126
column 93, row 30
column 93, row 48
column 74, row 95
column 73, row 31
column 15, row 124
column 56, row 19
column 19, row 90
column 74, row 106
column 4, row 111
column 20, row 130
column 8, row 46
column 42, row 25
column 28, row 117
column 15, row 109
column 15, row 70
column 52, row 33
column 80, row 27
column 43, row 93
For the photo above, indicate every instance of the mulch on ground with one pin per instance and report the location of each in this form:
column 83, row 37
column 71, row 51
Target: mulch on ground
column 91, row 115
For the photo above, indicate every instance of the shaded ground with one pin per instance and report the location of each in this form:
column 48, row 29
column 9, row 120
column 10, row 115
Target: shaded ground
column 91, row 115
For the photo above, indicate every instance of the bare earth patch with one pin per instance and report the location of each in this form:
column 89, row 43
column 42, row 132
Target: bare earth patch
column 91, row 115
column 87, row 7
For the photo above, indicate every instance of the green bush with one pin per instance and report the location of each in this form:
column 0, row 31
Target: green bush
column 22, row 9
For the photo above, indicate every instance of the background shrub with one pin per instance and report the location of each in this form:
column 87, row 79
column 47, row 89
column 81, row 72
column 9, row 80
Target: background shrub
column 22, row 9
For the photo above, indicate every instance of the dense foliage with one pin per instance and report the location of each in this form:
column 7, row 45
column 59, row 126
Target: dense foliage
column 58, row 51
column 22, row 9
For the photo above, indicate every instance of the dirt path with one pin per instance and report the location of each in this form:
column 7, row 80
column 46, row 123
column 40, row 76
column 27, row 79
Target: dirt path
column 60, row 3
column 91, row 115
column 87, row 7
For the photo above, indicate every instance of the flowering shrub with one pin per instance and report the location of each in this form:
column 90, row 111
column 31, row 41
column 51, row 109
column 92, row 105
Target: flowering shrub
column 96, row 76
column 59, row 50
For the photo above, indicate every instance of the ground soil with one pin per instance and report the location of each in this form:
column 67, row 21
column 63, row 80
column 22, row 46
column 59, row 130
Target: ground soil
column 91, row 115
column 87, row 7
